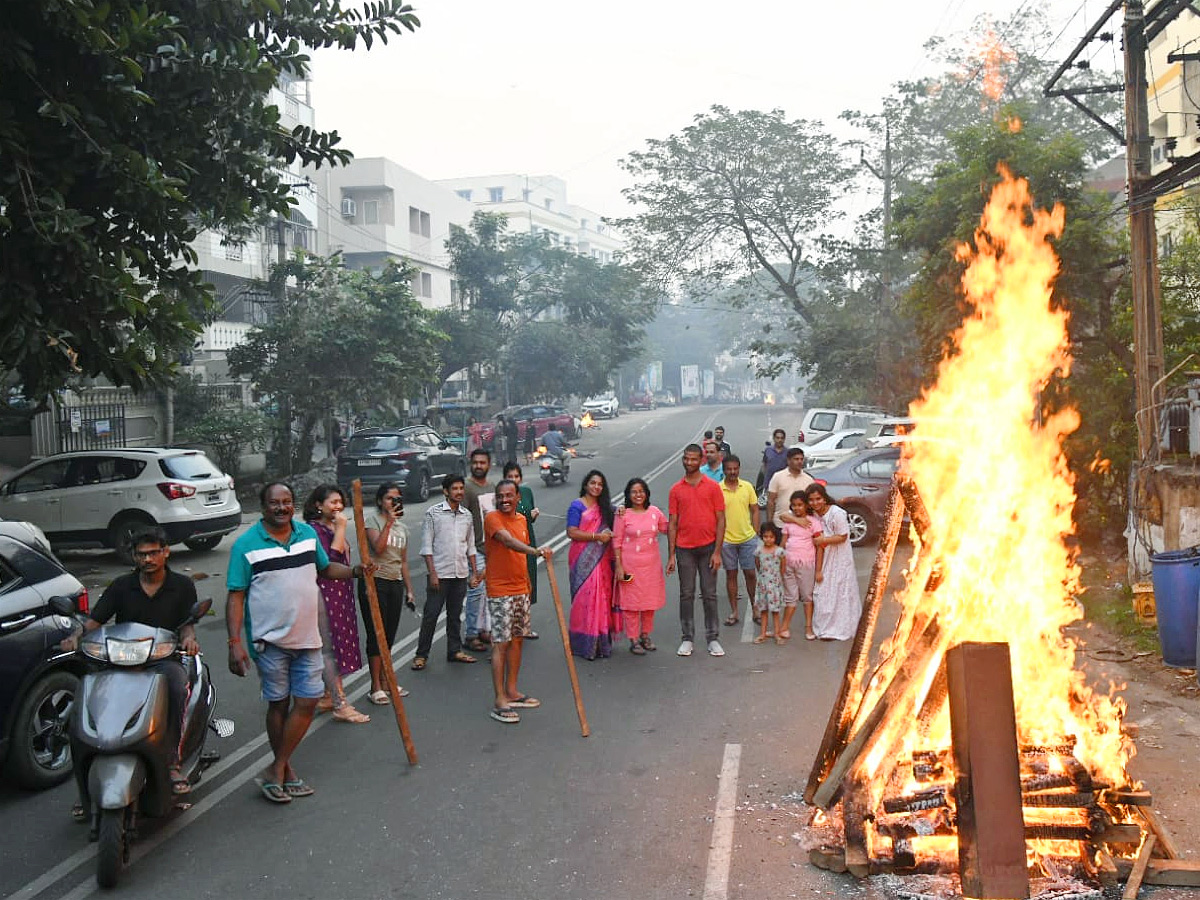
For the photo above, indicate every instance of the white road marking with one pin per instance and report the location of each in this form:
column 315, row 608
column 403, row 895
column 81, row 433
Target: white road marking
column 720, row 848
column 748, row 623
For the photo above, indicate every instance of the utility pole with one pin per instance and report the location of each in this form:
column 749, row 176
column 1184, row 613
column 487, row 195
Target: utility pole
column 885, row 175
column 1143, row 240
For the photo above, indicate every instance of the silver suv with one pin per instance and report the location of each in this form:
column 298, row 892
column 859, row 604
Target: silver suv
column 99, row 498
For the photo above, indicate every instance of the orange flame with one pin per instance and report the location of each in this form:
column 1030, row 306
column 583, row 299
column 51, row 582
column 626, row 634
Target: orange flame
column 999, row 492
column 995, row 55
column 586, row 421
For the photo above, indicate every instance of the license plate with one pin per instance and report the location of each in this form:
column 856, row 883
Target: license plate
column 370, row 462
column 212, row 499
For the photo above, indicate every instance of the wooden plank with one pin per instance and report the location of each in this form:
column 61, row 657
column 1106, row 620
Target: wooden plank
column 1139, row 869
column 1121, row 833
column 987, row 763
column 1129, row 797
column 1177, row 872
column 1165, row 844
column 831, row 859
column 1106, row 869
column 922, row 648
column 850, row 692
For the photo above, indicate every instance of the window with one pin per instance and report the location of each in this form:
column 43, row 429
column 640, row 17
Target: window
column 465, row 193
column 583, row 223
column 7, row 576
column 496, row 194
column 233, row 249
column 422, row 284
column 191, row 466
column 549, row 204
column 44, row 478
column 419, row 222
column 823, row 422
column 878, row 467
column 104, row 469
column 362, row 444
column 526, row 194
column 371, row 212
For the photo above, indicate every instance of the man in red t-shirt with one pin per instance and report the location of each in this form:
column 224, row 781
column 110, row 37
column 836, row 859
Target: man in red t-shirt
column 694, row 538
column 507, row 575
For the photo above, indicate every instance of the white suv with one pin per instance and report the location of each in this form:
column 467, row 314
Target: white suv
column 605, row 405
column 99, row 498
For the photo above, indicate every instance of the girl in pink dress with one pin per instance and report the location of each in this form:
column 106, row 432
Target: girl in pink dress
column 804, row 557
column 641, row 586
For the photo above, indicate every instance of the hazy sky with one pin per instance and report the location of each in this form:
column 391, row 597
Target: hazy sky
column 568, row 87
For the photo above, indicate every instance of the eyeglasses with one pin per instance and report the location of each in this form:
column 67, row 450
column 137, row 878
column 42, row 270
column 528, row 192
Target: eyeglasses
column 148, row 554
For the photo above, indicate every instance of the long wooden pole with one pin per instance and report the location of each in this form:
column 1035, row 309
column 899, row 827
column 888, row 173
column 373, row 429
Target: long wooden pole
column 385, row 650
column 566, row 642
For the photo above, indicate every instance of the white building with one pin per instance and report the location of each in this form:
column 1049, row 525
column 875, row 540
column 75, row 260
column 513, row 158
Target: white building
column 538, row 205
column 374, row 210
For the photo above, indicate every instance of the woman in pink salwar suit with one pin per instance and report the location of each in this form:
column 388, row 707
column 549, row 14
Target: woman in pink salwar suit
column 641, row 586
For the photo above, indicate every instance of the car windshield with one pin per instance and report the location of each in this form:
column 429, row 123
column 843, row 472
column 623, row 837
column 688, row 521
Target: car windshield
column 192, row 466
column 376, row 443
column 823, row 422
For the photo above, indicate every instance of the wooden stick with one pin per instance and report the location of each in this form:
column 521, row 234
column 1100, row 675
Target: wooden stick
column 1139, row 869
column 566, row 642
column 837, row 729
column 385, row 650
column 1165, row 845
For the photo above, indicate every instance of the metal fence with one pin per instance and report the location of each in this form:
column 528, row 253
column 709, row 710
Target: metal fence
column 91, row 426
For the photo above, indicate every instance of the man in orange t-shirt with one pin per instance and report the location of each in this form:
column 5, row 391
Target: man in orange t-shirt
column 506, row 538
column 697, row 530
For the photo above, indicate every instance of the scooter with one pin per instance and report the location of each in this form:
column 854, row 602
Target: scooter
column 554, row 469
column 119, row 733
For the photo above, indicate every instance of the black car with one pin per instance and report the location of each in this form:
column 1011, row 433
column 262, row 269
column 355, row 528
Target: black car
column 860, row 484
column 38, row 680
column 415, row 457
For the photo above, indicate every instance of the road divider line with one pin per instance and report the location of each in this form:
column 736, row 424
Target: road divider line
column 748, row 622
column 720, row 848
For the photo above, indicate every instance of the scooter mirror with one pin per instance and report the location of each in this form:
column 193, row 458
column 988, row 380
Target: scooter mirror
column 199, row 610
column 62, row 606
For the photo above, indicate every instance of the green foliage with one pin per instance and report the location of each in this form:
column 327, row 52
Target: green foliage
column 125, row 127
column 230, row 430
column 337, row 338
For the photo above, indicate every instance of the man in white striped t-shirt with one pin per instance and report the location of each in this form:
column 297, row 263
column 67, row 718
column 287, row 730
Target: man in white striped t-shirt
column 271, row 618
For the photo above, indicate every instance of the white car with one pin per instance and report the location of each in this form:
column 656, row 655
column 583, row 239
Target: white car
column 832, row 447
column 605, row 406
column 100, row 498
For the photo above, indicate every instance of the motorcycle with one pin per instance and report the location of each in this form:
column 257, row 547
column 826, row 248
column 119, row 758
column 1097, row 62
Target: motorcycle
column 554, row 469
column 119, row 734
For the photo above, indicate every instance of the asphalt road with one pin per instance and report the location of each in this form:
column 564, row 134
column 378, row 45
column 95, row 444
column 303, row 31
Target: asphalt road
column 686, row 786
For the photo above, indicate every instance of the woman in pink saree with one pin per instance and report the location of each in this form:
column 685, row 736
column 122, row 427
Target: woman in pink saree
column 594, row 621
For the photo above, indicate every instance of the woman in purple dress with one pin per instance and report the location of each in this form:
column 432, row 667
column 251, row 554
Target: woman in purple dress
column 338, row 618
column 589, row 527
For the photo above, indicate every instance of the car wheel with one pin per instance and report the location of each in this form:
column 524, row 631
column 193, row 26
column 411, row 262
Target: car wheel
column 860, row 525
column 420, row 491
column 40, row 753
column 121, row 532
column 204, row 543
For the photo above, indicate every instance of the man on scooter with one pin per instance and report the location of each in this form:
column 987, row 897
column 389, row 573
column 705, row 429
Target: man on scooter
column 152, row 595
column 553, row 441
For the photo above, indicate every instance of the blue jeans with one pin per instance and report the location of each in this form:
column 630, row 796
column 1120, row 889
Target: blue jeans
column 290, row 673
column 477, row 619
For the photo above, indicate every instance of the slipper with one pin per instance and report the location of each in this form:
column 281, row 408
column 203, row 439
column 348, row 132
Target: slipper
column 525, row 702
column 273, row 792
column 476, row 644
column 505, row 715
column 461, row 657
column 78, row 813
column 786, row 633
column 732, row 620
column 182, row 786
column 532, row 636
column 780, row 639
column 298, row 788
column 349, row 714
column 809, row 636
column 379, row 698
column 418, row 664
column 760, row 640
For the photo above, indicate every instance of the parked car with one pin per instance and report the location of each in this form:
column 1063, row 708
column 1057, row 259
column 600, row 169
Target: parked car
column 666, row 398
column 38, row 680
column 836, row 445
column 820, row 421
column 642, row 400
column 415, row 457
column 860, row 484
column 602, row 406
column 99, row 498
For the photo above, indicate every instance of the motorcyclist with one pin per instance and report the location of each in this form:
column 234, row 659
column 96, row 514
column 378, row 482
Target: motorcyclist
column 152, row 595
column 553, row 441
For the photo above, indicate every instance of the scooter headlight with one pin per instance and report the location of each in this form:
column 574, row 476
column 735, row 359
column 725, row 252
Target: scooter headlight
column 129, row 653
column 162, row 649
column 95, row 650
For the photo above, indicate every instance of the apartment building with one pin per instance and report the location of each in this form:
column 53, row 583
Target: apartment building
column 538, row 204
column 1173, row 73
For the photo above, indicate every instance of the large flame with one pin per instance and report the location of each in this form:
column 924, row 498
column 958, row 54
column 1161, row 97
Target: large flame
column 996, row 484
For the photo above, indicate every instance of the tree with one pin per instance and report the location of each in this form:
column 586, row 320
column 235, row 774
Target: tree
column 339, row 338
column 732, row 195
column 125, row 128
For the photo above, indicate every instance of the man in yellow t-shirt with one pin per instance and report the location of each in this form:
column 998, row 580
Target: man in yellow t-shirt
column 741, row 535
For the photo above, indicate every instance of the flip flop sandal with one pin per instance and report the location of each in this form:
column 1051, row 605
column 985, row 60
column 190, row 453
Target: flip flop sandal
column 525, row 702
column 732, row 620
column 349, row 714
column 273, row 792
column 379, row 698
column 461, row 657
column 532, row 636
column 298, row 788
column 760, row 639
column 476, row 644
column 506, row 715
column 418, row 664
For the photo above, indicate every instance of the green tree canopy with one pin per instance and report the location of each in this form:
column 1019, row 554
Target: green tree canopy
column 125, row 127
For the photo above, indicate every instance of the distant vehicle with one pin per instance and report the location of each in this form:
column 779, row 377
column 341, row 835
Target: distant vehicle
column 604, row 406
column 860, row 484
column 666, row 398
column 832, row 447
column 415, row 457
column 890, row 425
column 38, row 681
column 541, row 413
column 642, row 400
column 99, row 498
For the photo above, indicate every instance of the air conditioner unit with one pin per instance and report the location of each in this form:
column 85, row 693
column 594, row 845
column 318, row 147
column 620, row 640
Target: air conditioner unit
column 349, row 207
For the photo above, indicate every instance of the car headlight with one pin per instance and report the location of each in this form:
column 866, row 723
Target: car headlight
column 129, row 653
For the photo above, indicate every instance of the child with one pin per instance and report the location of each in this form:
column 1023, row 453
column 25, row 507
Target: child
column 769, row 560
column 804, row 560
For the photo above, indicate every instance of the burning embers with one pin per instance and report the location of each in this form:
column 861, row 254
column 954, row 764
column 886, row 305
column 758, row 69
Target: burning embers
column 586, row 421
column 975, row 746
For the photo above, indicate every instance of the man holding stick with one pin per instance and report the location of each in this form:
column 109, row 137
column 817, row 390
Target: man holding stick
column 508, row 588
column 273, row 596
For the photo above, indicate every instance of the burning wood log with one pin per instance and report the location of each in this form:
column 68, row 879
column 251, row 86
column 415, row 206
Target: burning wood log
column 1070, row 800
column 1046, row 783
column 1139, row 869
column 928, row 799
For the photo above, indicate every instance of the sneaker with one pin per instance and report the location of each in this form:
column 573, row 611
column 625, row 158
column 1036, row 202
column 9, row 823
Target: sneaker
column 685, row 649
column 715, row 648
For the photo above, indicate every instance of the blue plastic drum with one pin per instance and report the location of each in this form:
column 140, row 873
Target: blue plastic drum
column 1176, row 575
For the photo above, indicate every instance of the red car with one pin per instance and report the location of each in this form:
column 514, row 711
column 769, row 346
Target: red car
column 642, row 400
column 541, row 414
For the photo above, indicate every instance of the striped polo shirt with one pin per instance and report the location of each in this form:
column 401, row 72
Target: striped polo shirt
column 280, row 581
